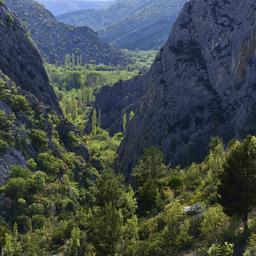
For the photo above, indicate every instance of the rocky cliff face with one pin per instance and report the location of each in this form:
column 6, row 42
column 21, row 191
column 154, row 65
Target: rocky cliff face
column 31, row 122
column 55, row 40
column 114, row 102
column 201, row 85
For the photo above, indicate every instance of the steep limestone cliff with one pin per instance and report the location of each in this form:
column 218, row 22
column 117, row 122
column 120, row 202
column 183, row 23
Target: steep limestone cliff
column 201, row 85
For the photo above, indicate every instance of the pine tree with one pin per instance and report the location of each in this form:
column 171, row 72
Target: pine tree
column 131, row 115
column 73, row 107
column 75, row 242
column 9, row 246
column 238, row 181
column 67, row 60
column 149, row 177
column 73, row 59
column 12, row 245
column 114, row 226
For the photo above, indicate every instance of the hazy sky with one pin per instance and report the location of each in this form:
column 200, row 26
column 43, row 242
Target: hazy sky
column 58, row 7
column 73, row 0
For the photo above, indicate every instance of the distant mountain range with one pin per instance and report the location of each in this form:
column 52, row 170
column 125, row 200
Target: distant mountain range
column 131, row 24
column 56, row 40
column 57, row 7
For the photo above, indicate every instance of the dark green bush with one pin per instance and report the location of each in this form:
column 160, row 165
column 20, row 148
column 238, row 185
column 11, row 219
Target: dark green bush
column 39, row 138
column 19, row 103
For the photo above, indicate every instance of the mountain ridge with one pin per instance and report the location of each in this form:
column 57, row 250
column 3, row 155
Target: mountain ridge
column 56, row 40
column 142, row 25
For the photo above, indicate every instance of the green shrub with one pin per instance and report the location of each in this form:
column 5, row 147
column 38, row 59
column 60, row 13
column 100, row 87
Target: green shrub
column 221, row 250
column 251, row 249
column 36, row 208
column 73, row 138
column 176, row 236
column 39, row 138
column 214, row 224
column 3, row 145
column 31, row 164
column 20, row 172
column 38, row 221
column 19, row 103
column 49, row 164
column 24, row 223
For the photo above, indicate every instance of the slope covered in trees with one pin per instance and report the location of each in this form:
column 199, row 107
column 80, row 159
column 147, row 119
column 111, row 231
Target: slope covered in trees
column 130, row 24
column 55, row 40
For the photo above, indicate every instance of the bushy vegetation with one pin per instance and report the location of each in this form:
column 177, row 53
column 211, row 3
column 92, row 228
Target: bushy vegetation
column 51, row 206
column 103, row 147
column 140, row 60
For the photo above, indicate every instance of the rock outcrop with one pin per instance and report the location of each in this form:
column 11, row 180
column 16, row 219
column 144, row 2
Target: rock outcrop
column 202, row 84
column 55, row 40
column 113, row 102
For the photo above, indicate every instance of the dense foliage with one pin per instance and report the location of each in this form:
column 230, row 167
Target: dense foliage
column 58, row 203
